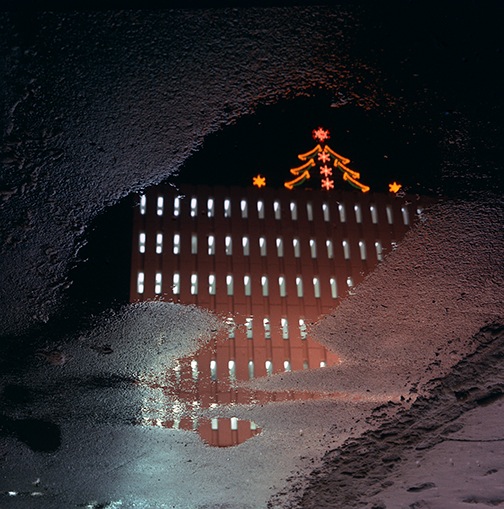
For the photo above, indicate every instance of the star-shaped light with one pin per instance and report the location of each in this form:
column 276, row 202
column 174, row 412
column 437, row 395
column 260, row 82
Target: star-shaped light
column 327, row 184
column 394, row 187
column 320, row 134
column 259, row 181
column 326, row 171
column 324, row 157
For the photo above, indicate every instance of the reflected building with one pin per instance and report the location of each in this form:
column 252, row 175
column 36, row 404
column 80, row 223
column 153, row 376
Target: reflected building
column 271, row 262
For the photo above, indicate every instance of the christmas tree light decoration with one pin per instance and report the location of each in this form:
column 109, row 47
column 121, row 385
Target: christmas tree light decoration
column 324, row 155
column 394, row 187
column 259, row 181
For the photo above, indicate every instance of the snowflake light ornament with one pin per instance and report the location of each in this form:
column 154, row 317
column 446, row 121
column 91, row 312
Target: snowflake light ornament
column 326, row 171
column 320, row 134
column 327, row 184
column 324, row 157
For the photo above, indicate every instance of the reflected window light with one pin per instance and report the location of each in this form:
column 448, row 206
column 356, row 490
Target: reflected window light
column 157, row 286
column 277, row 210
column 227, row 208
column 176, row 283
column 325, row 211
column 334, row 288
column 194, row 207
column 374, row 214
column 212, row 284
column 194, row 284
column 405, row 215
column 323, row 364
column 287, row 366
column 346, row 249
column 342, row 212
column 210, row 207
column 358, row 213
column 246, row 246
column 390, row 217
column 229, row 245
column 251, row 370
column 160, row 206
column 213, row 370
column 302, row 329
column 282, row 285
column 194, row 243
column 244, row 209
column 267, row 328
column 262, row 246
column 316, row 287
column 211, row 245
column 285, row 328
column 234, row 423
column 330, row 249
column 264, row 284
column 176, row 206
column 176, row 244
column 379, row 250
column 141, row 242
column 232, row 370
column 214, row 423
column 299, row 286
column 269, row 367
column 247, row 282
column 419, row 211
column 279, row 245
column 248, row 327
column 297, row 247
column 362, row 249
column 293, row 210
column 309, row 211
column 140, row 282
column 143, row 204
column 349, row 281
column 159, row 243
column 313, row 248
column 260, row 209
column 229, row 284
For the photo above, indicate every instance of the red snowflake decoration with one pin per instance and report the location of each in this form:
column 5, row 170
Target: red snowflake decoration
column 324, row 157
column 320, row 134
column 326, row 171
column 327, row 184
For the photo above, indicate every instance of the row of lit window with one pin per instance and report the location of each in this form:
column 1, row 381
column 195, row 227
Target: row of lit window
column 277, row 210
column 279, row 247
column 247, row 285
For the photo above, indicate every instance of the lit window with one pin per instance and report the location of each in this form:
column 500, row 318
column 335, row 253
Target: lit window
column 419, row 211
column 316, row 287
column 362, row 249
column 143, row 204
column 302, row 329
column 211, row 284
column 267, row 328
column 285, row 328
column 157, row 286
column 358, row 213
column 297, row 248
column 277, row 210
column 330, row 249
column 140, row 282
column 194, row 243
column 262, row 246
column 176, row 283
column 313, row 248
column 306, row 365
column 309, row 211
column 227, row 208
column 159, row 243
column 390, row 217
column 141, row 242
column 405, row 215
column 293, row 210
column 213, row 376
column 269, row 367
column 260, row 209
column 211, row 245
column 264, row 284
column 342, row 213
column 287, row 366
column 214, row 422
column 232, row 376
column 160, row 206
column 346, row 250
column 229, row 245
column 194, row 369
column 231, row 327
column 323, row 364
column 229, row 284
column 282, row 285
column 244, row 209
column 379, row 251
column 176, row 206
column 349, row 281
column 279, row 245
column 210, row 207
column 248, row 285
column 246, row 246
column 176, row 243
column 194, row 284
column 234, row 423
column 374, row 214
column 248, row 327
column 194, row 207
column 325, row 210
column 251, row 369
column 334, row 288
column 299, row 286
